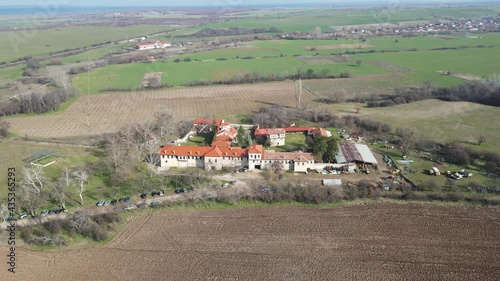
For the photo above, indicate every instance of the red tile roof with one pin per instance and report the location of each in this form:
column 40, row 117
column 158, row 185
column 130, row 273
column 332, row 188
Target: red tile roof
column 185, row 150
column 256, row 149
column 298, row 129
column 260, row 132
column 233, row 151
column 224, row 138
column 276, row 131
column 214, row 152
column 221, row 143
column 202, row 121
column 320, row 131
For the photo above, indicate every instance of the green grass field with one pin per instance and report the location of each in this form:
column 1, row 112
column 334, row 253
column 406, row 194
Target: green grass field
column 277, row 56
column 19, row 44
column 12, row 154
column 443, row 121
column 10, row 74
column 176, row 74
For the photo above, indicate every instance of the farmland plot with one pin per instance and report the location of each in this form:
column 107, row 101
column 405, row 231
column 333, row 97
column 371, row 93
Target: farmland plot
column 374, row 241
column 104, row 113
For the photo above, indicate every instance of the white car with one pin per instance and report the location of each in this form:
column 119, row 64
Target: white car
column 129, row 207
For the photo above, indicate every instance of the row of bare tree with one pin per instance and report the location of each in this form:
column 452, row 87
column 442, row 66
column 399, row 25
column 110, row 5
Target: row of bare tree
column 36, row 98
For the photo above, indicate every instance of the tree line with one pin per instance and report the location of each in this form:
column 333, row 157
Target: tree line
column 485, row 92
column 257, row 77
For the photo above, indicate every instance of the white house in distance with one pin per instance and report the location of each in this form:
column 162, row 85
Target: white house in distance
column 157, row 44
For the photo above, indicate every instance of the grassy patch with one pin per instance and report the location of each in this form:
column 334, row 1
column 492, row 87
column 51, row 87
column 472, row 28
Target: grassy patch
column 293, row 142
column 12, row 154
column 444, row 121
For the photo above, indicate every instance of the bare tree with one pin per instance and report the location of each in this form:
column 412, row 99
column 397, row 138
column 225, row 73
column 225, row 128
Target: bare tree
column 61, row 186
column 4, row 211
column 33, row 177
column 152, row 157
column 29, row 199
column 480, row 139
column 164, row 124
column 80, row 221
column 408, row 138
column 317, row 32
column 81, row 177
column 298, row 91
column 184, row 127
column 117, row 152
column 59, row 78
column 4, row 128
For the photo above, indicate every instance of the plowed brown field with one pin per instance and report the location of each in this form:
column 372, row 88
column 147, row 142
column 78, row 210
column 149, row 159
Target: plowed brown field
column 375, row 241
column 105, row 113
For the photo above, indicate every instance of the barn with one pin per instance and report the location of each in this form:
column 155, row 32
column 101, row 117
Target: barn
column 350, row 152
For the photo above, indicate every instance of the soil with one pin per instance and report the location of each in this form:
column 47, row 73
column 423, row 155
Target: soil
column 372, row 241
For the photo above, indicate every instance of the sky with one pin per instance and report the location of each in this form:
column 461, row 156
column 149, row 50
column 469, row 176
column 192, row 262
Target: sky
column 116, row 3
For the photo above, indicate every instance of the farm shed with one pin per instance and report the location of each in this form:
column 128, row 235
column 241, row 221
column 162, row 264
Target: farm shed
column 350, row 152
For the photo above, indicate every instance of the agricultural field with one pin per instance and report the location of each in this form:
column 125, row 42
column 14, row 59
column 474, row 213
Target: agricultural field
column 288, row 56
column 128, row 76
column 371, row 241
column 104, row 113
column 18, row 44
column 364, row 86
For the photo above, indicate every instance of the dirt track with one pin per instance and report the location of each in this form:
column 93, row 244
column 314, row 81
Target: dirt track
column 376, row 241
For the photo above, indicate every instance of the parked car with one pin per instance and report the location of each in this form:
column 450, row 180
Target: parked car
column 225, row 185
column 142, row 205
column 129, row 207
column 100, row 203
column 207, row 196
column 114, row 201
column 184, row 190
column 155, row 204
column 158, row 193
column 126, row 199
column 143, row 195
column 23, row 216
column 44, row 213
column 107, row 202
column 10, row 219
column 232, row 182
column 52, row 211
column 58, row 211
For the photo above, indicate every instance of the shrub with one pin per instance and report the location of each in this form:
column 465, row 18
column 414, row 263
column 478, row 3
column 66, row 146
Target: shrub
column 53, row 227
